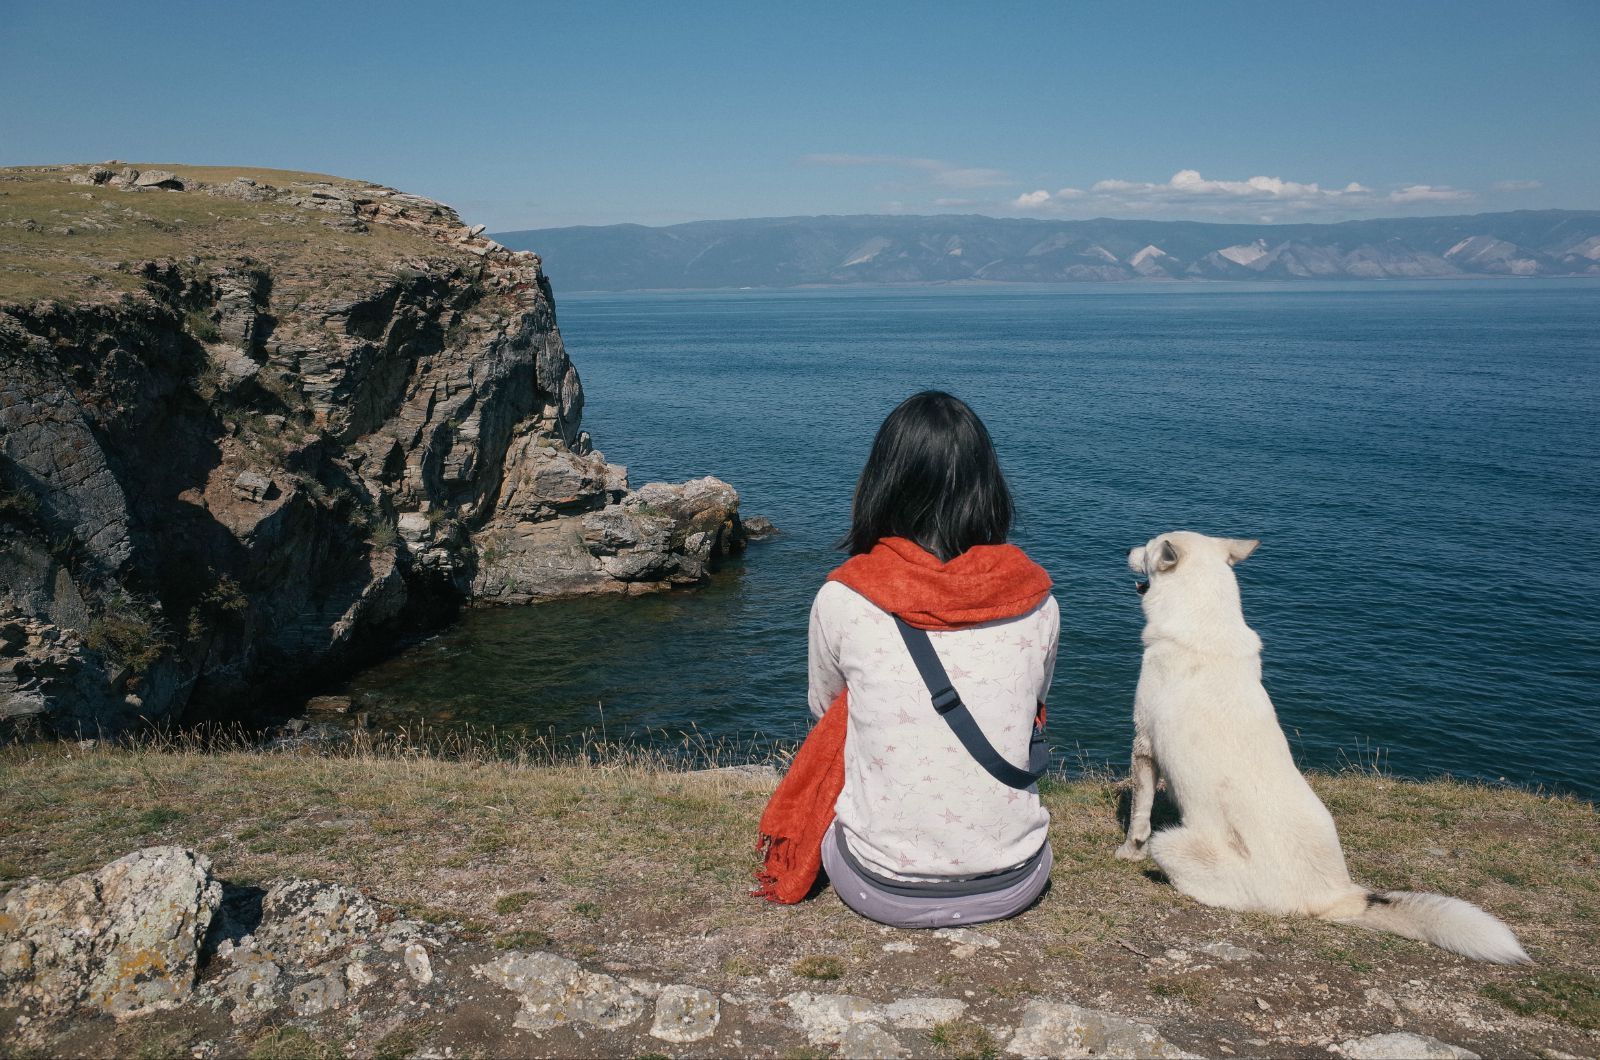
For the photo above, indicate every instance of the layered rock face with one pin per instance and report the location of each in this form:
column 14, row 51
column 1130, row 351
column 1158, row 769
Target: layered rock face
column 222, row 470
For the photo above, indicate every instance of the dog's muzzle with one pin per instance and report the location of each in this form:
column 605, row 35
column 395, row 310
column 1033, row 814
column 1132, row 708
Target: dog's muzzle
column 1142, row 587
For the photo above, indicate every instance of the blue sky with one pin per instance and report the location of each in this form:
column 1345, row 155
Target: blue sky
column 529, row 115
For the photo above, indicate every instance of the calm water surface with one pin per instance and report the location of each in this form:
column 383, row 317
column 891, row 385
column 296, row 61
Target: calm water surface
column 1418, row 460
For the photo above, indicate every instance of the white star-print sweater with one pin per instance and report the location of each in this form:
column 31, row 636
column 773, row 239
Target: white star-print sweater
column 915, row 804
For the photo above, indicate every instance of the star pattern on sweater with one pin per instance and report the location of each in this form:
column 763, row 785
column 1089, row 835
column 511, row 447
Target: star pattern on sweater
column 906, row 772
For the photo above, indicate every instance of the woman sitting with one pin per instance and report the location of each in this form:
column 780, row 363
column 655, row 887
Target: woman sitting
column 931, row 651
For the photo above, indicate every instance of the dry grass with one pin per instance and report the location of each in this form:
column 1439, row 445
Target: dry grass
column 604, row 854
column 109, row 226
column 960, row 1040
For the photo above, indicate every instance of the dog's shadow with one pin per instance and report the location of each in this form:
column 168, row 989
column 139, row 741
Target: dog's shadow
column 1163, row 814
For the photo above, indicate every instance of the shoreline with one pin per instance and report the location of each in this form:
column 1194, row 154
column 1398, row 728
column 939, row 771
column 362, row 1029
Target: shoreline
column 1209, row 283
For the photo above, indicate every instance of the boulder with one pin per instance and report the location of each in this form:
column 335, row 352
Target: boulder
column 758, row 528
column 685, row 1014
column 158, row 178
column 1055, row 1029
column 305, row 921
column 252, row 486
column 554, row 991
column 868, row 1041
column 1403, row 1045
column 826, row 1018
column 123, row 940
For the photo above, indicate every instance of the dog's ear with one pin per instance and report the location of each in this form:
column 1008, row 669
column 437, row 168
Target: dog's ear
column 1240, row 548
column 1167, row 558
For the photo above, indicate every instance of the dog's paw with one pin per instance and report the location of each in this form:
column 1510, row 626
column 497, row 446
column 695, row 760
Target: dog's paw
column 1132, row 851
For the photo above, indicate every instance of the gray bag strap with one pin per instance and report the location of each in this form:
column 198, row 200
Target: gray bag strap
column 947, row 702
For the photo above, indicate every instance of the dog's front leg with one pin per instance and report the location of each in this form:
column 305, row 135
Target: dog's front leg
column 1144, row 795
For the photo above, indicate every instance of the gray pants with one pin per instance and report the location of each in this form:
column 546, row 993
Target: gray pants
column 873, row 902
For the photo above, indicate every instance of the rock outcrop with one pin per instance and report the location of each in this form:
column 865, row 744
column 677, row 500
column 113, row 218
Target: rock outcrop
column 154, row 930
column 123, row 940
column 154, row 951
column 250, row 422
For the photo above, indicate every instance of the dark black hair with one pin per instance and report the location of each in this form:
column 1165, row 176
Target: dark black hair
column 933, row 477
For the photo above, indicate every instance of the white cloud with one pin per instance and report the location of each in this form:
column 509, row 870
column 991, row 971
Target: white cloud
column 1428, row 193
column 1518, row 185
column 1188, row 183
column 1264, row 198
column 945, row 174
column 1187, row 193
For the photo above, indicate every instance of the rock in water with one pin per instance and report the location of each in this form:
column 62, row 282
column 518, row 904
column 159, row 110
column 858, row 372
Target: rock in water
column 759, row 528
column 124, row 939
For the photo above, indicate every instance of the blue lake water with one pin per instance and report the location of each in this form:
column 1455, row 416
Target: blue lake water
column 1419, row 461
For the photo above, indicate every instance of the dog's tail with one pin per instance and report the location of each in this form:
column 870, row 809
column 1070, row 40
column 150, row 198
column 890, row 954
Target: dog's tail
column 1448, row 923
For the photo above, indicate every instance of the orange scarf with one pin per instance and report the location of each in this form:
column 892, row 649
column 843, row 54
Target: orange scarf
column 983, row 584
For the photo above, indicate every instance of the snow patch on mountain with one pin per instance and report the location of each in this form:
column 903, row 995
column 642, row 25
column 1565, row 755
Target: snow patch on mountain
column 1245, row 254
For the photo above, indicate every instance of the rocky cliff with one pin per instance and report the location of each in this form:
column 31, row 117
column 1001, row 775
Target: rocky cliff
column 251, row 421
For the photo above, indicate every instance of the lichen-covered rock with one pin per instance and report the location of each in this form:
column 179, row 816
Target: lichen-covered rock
column 685, row 1014
column 554, row 991
column 124, row 939
column 254, row 985
column 1403, row 1045
column 868, row 1041
column 306, row 920
column 1056, row 1029
column 1227, row 951
column 826, row 1017
column 316, row 996
column 418, row 964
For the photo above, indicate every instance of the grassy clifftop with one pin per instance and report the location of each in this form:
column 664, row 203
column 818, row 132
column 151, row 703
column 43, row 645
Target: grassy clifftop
column 73, row 241
column 631, row 868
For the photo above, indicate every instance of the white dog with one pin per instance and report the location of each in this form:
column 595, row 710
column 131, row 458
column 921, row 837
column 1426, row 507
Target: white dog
column 1254, row 835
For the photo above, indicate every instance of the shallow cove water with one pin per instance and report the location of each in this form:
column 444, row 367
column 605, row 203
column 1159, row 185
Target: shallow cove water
column 1418, row 460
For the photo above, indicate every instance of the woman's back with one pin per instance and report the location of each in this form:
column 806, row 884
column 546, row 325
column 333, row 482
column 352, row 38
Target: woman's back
column 915, row 803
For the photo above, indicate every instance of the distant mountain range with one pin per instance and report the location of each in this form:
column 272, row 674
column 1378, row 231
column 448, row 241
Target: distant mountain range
column 872, row 249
